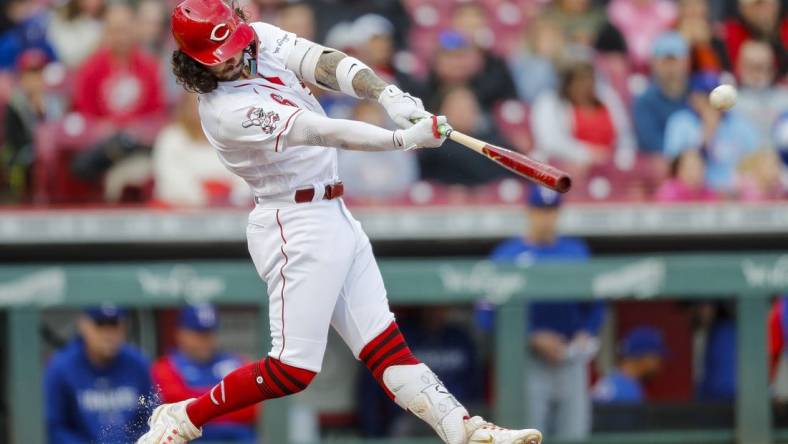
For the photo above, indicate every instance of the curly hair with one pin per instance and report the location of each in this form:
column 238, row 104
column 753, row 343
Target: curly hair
column 194, row 76
column 191, row 74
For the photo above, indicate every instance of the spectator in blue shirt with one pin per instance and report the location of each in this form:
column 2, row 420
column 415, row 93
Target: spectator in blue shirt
column 666, row 94
column 724, row 138
column 97, row 386
column 640, row 359
column 562, row 335
column 29, row 31
column 195, row 366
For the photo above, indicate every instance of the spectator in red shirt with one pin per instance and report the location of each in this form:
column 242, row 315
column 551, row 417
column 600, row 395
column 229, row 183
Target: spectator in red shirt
column 758, row 20
column 119, row 82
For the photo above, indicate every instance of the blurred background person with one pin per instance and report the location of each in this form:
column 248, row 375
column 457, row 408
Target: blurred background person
column 25, row 110
column 760, row 177
column 640, row 356
column 759, row 99
column 716, row 327
column 666, row 93
column 724, row 138
column 533, row 67
column 707, row 50
column 76, row 30
column 197, row 364
column 120, row 82
column 562, row 336
column 687, row 180
column 580, row 20
column 376, row 177
column 186, row 170
column 641, row 21
column 98, row 387
column 297, row 17
column 454, row 164
column 437, row 341
column 583, row 123
column 758, row 20
column 28, row 30
column 151, row 24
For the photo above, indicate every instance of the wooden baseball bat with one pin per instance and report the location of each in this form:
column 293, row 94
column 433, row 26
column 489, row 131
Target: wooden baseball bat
column 538, row 172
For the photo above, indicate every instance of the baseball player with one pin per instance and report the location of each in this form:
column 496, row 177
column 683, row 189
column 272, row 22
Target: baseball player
column 313, row 255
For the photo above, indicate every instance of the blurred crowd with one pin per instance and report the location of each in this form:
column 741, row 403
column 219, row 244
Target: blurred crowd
column 615, row 92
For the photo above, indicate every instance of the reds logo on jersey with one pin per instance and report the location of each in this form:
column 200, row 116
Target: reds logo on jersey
column 259, row 117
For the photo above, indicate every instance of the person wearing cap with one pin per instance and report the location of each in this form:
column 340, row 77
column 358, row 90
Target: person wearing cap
column 197, row 364
column 641, row 354
column 25, row 110
column 28, row 30
column 724, row 137
column 666, row 93
column 562, row 336
column 98, row 386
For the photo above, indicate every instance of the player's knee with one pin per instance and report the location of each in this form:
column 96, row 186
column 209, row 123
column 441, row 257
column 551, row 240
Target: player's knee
column 281, row 379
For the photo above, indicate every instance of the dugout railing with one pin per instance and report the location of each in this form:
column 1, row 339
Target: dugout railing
column 750, row 278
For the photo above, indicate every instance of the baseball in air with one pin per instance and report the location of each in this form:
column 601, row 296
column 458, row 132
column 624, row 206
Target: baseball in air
column 723, row 97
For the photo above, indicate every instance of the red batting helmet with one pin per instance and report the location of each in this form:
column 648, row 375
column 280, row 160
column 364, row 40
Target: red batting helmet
column 209, row 31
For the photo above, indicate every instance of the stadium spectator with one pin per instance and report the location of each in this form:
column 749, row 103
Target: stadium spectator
column 641, row 22
column 760, row 100
column 459, row 62
column 470, row 19
column 97, row 386
column 440, row 343
column 186, row 170
column 297, row 17
column 75, row 30
column 374, row 35
column 533, row 67
column 120, row 82
column 151, row 24
column 28, row 31
column 759, row 177
column 26, row 108
column 687, row 182
column 562, row 335
column 373, row 177
column 195, row 366
column 758, row 20
column 666, row 94
column 707, row 50
column 584, row 123
column 580, row 20
column 724, row 138
column 454, row 164
column 640, row 359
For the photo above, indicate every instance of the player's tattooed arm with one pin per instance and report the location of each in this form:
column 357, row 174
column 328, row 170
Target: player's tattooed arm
column 366, row 83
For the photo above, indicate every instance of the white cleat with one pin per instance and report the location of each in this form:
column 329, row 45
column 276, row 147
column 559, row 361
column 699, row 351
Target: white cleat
column 480, row 431
column 169, row 424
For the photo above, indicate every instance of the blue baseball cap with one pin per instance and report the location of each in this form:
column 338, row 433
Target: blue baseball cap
column 452, row 40
column 642, row 341
column 669, row 44
column 541, row 197
column 704, row 81
column 105, row 313
column 200, row 317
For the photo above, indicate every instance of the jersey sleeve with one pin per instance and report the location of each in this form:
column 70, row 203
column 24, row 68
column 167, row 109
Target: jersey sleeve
column 251, row 123
column 274, row 41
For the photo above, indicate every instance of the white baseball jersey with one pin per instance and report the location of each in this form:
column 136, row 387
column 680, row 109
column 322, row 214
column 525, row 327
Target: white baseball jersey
column 248, row 120
column 314, row 257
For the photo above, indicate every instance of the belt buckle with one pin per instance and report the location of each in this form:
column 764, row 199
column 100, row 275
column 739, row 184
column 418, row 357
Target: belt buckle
column 334, row 190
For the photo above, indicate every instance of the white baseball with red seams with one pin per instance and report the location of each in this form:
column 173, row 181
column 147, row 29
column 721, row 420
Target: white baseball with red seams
column 314, row 257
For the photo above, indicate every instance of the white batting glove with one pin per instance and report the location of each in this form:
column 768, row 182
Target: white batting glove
column 426, row 133
column 403, row 108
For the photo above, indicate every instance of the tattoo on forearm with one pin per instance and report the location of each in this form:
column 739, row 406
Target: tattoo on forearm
column 326, row 70
column 313, row 138
column 368, row 85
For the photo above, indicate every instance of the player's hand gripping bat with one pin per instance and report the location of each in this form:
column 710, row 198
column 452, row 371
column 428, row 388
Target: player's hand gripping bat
column 533, row 170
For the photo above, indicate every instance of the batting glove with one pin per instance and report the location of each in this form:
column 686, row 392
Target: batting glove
column 426, row 133
column 403, row 108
